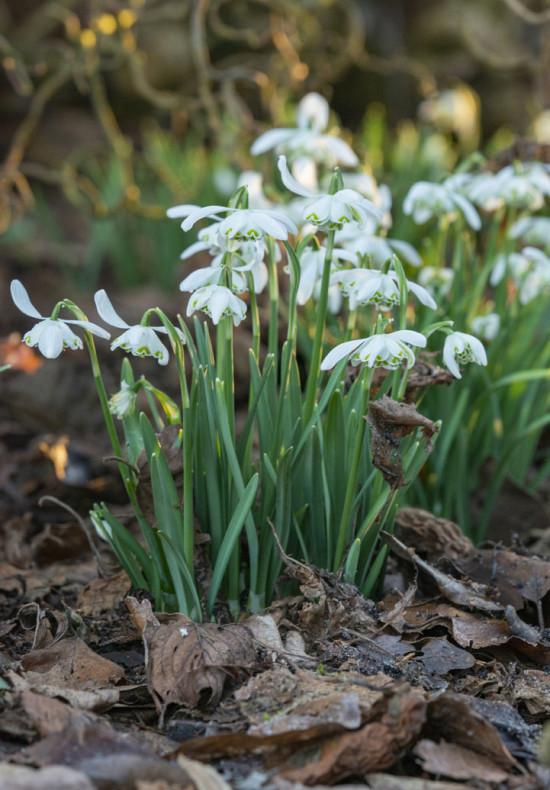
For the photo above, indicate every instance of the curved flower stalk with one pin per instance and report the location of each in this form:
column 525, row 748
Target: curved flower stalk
column 216, row 301
column 141, row 340
column 426, row 200
column 369, row 286
column 532, row 230
column 253, row 181
column 330, row 212
column 461, row 348
column 240, row 223
column 381, row 350
column 52, row 334
column 307, row 139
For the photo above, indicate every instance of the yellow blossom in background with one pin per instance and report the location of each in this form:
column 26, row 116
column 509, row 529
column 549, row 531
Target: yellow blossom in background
column 106, row 24
column 88, row 39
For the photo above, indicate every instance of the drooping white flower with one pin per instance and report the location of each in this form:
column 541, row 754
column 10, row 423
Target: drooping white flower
column 438, row 280
column 528, row 269
column 240, row 223
column 51, row 335
column 532, row 230
column 461, row 348
column 327, row 211
column 123, row 403
column 487, row 326
column 524, row 186
column 215, row 301
column 426, row 200
column 139, row 340
column 378, row 248
column 312, row 262
column 308, row 138
column 370, row 286
column 383, row 350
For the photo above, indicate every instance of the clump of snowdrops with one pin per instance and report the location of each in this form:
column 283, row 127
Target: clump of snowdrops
column 299, row 475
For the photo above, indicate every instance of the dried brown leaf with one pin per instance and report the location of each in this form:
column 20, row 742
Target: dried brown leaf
column 466, row 595
column 54, row 777
column 454, row 718
column 71, row 663
column 189, row 663
column 390, row 782
column 375, row 747
column 390, row 421
column 103, row 595
column 432, row 537
column 456, row 762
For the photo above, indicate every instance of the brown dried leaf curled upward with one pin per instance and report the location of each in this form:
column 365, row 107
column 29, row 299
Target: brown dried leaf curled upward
column 390, row 421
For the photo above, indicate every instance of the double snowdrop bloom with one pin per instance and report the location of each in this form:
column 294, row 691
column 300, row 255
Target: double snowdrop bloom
column 53, row 334
column 249, row 257
column 240, row 223
column 123, row 403
column 487, row 326
column 378, row 248
column 382, row 290
column 532, row 230
column 528, row 269
column 426, row 200
column 524, row 187
column 312, row 263
column 139, row 340
column 385, row 350
column 215, row 301
column 330, row 212
column 308, row 138
column 438, row 280
column 461, row 348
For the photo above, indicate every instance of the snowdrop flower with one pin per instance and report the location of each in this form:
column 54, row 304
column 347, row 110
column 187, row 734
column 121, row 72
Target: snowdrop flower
column 312, row 262
column 330, row 212
column 378, row 248
column 380, row 194
column 307, row 139
column 438, row 280
column 425, row 200
column 532, row 230
column 507, row 188
column 53, row 334
column 139, row 340
column 253, row 181
column 486, row 325
column 462, row 348
column 518, row 265
column 385, row 350
column 123, row 403
column 240, row 223
column 381, row 290
column 215, row 301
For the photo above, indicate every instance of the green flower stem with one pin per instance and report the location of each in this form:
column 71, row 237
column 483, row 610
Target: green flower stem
column 273, row 336
column 315, row 366
column 344, row 527
column 352, row 320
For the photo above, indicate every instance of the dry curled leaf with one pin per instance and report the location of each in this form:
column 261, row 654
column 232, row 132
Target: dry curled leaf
column 390, row 421
column 187, row 662
column 456, row 762
column 374, row 747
